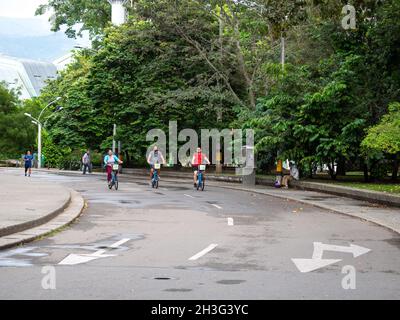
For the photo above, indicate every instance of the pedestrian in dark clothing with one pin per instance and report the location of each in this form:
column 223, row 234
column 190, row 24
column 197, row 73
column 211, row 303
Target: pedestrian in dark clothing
column 87, row 163
column 28, row 163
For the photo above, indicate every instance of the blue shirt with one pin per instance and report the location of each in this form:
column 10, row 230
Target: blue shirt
column 28, row 160
column 108, row 160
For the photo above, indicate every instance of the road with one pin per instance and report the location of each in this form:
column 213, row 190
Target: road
column 179, row 243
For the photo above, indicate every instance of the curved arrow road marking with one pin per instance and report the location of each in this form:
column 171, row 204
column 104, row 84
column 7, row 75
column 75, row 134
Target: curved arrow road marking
column 320, row 247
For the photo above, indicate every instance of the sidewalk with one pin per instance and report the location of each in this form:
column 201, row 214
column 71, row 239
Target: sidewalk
column 386, row 216
column 31, row 208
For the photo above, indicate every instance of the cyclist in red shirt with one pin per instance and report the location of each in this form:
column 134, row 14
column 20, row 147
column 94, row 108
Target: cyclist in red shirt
column 198, row 158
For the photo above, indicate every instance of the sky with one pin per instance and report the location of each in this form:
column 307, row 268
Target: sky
column 22, row 34
column 20, row 8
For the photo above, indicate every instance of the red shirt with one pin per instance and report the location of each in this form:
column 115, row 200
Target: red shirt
column 198, row 158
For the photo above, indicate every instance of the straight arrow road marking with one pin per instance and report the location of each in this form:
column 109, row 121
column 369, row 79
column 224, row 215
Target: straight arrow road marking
column 120, row 242
column 317, row 262
column 74, row 259
column 203, row 252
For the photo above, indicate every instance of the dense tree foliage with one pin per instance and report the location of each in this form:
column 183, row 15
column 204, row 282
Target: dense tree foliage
column 217, row 64
column 17, row 131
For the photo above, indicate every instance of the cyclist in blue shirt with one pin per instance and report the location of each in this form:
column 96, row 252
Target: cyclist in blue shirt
column 109, row 160
column 28, row 163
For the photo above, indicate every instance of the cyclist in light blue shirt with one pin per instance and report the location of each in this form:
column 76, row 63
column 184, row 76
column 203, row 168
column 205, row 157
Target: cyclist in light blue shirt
column 109, row 160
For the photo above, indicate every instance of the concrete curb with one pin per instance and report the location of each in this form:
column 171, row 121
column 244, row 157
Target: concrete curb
column 343, row 191
column 68, row 215
column 6, row 231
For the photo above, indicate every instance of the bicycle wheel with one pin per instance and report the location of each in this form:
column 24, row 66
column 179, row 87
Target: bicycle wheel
column 202, row 185
column 110, row 184
column 116, row 184
column 156, row 184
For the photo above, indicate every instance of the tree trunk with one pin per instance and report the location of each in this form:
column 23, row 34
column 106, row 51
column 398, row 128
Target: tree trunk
column 332, row 173
column 395, row 171
column 365, row 169
column 341, row 167
column 311, row 170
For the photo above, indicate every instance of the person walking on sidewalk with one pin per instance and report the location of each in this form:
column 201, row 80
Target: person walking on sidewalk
column 28, row 158
column 87, row 163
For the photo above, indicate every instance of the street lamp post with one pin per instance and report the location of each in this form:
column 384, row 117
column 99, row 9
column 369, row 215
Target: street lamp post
column 39, row 124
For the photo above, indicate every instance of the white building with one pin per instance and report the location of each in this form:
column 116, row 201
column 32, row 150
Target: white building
column 27, row 76
column 63, row 62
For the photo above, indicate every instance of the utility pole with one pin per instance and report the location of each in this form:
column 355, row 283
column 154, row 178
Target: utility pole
column 279, row 167
column 218, row 156
column 283, row 52
column 118, row 12
column 114, row 134
column 39, row 145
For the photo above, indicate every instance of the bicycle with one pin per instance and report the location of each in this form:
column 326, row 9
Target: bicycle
column 114, row 177
column 155, row 177
column 200, row 183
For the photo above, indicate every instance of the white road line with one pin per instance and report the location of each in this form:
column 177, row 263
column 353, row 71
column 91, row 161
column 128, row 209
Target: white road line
column 188, row 195
column 203, row 252
column 230, row 221
column 98, row 253
column 118, row 243
column 217, row 206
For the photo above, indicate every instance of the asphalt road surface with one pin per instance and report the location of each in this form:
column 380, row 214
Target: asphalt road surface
column 179, row 243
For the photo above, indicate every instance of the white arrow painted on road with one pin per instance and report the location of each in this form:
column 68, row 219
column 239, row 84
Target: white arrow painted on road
column 74, row 259
column 307, row 265
column 120, row 242
column 203, row 252
column 316, row 262
column 320, row 247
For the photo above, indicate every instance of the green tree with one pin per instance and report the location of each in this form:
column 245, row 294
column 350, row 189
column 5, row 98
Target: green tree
column 94, row 15
column 142, row 77
column 17, row 131
column 385, row 136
